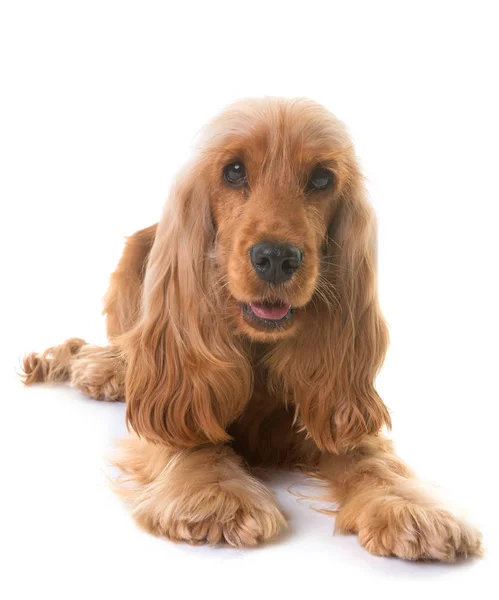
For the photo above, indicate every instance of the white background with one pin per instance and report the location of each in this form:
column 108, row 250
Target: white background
column 99, row 105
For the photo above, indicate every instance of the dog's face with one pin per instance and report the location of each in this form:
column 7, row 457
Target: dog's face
column 275, row 175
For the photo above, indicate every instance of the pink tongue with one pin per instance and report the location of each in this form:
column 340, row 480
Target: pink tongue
column 266, row 311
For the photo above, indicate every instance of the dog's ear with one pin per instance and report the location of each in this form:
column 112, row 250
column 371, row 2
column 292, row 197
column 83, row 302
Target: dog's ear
column 342, row 347
column 186, row 377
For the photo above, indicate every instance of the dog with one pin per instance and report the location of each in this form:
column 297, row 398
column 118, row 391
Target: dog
column 244, row 330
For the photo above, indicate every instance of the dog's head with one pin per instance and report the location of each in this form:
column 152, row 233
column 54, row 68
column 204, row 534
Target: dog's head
column 266, row 235
column 274, row 173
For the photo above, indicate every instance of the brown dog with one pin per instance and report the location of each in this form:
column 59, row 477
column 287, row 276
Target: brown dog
column 246, row 325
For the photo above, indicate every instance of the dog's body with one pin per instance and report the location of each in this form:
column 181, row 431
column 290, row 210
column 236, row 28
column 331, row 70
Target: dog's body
column 245, row 325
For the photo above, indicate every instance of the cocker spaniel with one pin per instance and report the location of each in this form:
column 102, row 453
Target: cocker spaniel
column 244, row 329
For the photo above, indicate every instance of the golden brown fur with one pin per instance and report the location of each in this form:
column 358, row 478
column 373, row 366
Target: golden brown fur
column 205, row 384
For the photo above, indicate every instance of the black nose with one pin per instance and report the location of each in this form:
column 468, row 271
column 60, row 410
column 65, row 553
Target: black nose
column 274, row 262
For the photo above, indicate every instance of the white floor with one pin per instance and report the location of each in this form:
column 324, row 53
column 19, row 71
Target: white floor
column 65, row 535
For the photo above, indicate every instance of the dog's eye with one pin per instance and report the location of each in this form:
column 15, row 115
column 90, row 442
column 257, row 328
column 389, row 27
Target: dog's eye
column 320, row 179
column 235, row 174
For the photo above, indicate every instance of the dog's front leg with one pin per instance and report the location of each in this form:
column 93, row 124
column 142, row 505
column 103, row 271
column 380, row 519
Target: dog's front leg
column 197, row 495
column 393, row 513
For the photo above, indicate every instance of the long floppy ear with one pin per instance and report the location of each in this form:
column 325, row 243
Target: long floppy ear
column 187, row 377
column 342, row 347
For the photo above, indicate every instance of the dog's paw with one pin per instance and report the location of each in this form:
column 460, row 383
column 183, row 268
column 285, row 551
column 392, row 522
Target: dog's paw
column 217, row 517
column 244, row 528
column 99, row 373
column 397, row 527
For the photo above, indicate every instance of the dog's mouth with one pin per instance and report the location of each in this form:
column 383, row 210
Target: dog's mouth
column 267, row 315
